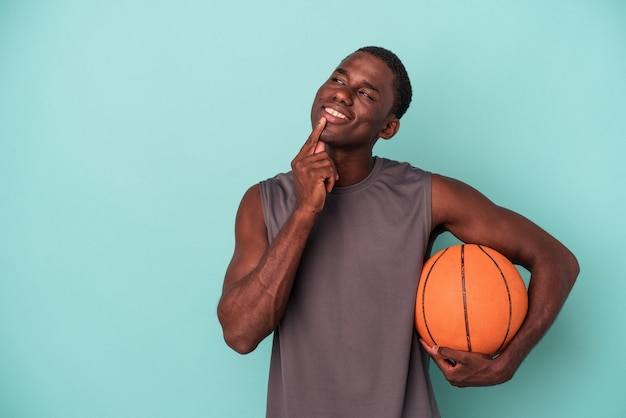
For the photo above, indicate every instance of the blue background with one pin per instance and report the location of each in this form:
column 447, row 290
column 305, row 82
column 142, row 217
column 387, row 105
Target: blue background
column 130, row 130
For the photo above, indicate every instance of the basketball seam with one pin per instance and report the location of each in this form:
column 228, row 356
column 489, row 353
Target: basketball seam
column 424, row 296
column 508, row 294
column 466, row 316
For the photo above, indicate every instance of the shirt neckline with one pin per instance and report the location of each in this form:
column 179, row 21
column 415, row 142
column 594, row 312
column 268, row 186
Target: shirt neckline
column 371, row 177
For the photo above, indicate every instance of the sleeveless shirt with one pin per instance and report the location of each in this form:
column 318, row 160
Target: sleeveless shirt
column 346, row 345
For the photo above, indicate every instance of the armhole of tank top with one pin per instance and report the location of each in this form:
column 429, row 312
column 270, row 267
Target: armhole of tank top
column 428, row 195
column 265, row 198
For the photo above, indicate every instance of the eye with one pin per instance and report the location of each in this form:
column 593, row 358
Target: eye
column 365, row 93
column 337, row 80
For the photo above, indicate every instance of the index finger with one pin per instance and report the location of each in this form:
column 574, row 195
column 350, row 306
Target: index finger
column 311, row 143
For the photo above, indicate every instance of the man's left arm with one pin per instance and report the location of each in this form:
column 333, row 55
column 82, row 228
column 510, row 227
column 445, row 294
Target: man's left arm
column 473, row 218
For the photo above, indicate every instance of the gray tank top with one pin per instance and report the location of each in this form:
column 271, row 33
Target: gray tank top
column 347, row 345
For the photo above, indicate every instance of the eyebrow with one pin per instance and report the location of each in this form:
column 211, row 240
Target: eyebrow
column 367, row 84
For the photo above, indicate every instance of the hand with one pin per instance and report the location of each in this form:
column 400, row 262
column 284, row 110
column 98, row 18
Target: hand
column 314, row 171
column 463, row 368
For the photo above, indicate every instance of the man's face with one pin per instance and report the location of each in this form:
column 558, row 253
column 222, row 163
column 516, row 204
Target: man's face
column 356, row 101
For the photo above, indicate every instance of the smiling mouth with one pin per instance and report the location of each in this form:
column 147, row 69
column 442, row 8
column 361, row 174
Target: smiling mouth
column 334, row 113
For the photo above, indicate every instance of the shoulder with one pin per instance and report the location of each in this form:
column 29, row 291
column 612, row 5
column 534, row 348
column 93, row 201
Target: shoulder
column 266, row 190
column 250, row 206
column 280, row 183
column 448, row 185
column 402, row 166
column 449, row 188
column 457, row 203
column 278, row 190
column 402, row 170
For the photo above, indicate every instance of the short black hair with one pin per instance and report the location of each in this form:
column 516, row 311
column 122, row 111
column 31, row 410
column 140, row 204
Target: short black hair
column 401, row 84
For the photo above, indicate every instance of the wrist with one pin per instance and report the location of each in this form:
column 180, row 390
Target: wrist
column 304, row 212
column 506, row 364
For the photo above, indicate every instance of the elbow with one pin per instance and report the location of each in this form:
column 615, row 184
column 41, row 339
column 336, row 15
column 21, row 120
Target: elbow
column 234, row 335
column 239, row 344
column 566, row 267
column 573, row 267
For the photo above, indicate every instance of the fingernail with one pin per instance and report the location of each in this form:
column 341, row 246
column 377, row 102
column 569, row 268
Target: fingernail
column 436, row 348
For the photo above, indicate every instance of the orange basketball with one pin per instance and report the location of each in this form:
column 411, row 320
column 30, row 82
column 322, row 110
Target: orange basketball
column 470, row 298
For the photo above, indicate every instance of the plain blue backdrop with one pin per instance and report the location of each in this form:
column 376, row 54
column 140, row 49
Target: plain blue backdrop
column 129, row 131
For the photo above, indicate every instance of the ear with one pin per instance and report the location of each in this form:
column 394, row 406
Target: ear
column 391, row 127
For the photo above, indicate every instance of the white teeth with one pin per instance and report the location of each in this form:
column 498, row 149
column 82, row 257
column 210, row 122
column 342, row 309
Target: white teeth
column 335, row 113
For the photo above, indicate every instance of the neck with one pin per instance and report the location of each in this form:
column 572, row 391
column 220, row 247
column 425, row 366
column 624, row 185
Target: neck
column 352, row 168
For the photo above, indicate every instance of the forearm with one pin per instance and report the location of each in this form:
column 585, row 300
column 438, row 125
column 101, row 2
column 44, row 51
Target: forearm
column 251, row 308
column 260, row 276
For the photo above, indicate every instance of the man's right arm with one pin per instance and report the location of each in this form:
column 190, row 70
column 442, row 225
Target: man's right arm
column 260, row 275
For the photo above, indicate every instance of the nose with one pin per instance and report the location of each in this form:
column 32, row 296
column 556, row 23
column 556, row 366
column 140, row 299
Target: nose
column 343, row 95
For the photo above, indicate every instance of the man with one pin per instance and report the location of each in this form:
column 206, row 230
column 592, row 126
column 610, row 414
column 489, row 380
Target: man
column 327, row 257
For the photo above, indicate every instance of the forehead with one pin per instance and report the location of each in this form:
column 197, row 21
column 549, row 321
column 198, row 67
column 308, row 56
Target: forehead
column 363, row 66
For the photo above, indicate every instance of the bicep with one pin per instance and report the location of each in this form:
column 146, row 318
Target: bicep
column 251, row 240
column 473, row 218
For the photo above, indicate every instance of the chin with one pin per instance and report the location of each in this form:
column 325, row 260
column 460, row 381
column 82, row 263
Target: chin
column 330, row 137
